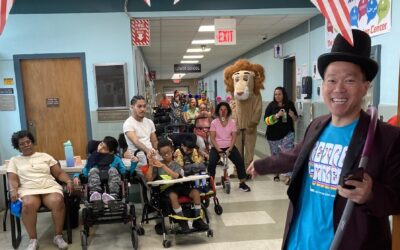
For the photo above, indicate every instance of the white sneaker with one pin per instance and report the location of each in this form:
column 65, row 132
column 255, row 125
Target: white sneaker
column 33, row 244
column 59, row 242
column 106, row 198
column 95, row 196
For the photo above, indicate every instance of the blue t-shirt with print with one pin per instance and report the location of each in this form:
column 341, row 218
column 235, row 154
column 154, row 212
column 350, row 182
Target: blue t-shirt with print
column 313, row 219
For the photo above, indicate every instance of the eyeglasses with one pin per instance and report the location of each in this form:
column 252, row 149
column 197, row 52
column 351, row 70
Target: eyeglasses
column 25, row 143
column 204, row 129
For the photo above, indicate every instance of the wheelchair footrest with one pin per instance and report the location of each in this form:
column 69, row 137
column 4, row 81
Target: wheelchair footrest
column 115, row 205
column 96, row 206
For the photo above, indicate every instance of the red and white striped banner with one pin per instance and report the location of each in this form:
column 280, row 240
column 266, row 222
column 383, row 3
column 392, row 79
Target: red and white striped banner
column 5, row 7
column 140, row 30
column 337, row 13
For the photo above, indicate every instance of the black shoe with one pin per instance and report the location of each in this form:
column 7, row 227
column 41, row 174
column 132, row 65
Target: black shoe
column 200, row 225
column 184, row 226
column 276, row 178
column 158, row 228
column 243, row 186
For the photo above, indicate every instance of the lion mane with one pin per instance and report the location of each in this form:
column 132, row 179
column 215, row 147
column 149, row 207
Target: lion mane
column 243, row 64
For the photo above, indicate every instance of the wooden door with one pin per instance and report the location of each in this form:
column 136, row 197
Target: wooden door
column 54, row 104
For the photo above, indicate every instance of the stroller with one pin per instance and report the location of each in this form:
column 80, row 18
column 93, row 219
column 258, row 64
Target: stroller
column 115, row 211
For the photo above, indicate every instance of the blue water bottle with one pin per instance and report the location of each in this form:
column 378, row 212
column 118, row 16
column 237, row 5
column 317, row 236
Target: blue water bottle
column 69, row 153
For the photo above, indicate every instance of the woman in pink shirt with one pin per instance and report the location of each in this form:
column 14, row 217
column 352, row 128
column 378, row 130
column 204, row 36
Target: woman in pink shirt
column 223, row 137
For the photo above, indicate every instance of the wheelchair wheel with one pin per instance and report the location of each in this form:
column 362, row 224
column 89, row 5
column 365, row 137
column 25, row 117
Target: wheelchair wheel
column 218, row 209
column 166, row 243
column 140, row 230
column 206, row 202
column 85, row 219
column 227, row 187
column 134, row 238
column 84, row 240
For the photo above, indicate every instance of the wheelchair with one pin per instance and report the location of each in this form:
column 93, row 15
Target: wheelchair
column 159, row 205
column 210, row 191
column 115, row 211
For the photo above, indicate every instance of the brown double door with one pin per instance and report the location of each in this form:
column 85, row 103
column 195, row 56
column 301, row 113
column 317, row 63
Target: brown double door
column 55, row 104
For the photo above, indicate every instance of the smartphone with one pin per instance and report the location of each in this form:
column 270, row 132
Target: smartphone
column 355, row 174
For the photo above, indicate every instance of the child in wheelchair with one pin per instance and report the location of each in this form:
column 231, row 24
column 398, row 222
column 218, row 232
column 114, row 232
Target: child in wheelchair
column 103, row 171
column 191, row 161
column 169, row 169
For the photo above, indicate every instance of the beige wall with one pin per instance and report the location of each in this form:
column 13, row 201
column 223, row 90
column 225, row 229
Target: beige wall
column 159, row 86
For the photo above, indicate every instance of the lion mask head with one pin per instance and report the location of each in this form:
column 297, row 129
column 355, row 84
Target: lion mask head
column 244, row 79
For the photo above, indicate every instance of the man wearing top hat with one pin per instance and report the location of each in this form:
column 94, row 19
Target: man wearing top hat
column 331, row 148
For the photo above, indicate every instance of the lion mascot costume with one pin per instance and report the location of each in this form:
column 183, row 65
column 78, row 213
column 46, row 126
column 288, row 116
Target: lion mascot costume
column 244, row 81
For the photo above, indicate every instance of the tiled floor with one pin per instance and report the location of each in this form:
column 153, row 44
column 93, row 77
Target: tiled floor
column 253, row 220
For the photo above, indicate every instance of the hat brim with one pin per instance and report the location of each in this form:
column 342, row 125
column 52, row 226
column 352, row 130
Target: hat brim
column 369, row 66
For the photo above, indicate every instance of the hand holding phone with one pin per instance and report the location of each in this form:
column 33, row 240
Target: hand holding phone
column 355, row 175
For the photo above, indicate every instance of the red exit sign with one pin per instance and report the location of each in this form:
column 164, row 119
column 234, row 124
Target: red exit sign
column 225, row 37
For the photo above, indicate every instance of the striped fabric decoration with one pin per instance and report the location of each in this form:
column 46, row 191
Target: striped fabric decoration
column 270, row 120
column 337, row 12
column 5, row 7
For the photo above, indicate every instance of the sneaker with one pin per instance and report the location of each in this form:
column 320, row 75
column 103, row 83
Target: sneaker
column 33, row 244
column 243, row 186
column 106, row 198
column 184, row 226
column 60, row 243
column 95, row 196
column 200, row 225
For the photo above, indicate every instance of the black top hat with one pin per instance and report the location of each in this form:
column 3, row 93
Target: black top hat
column 358, row 54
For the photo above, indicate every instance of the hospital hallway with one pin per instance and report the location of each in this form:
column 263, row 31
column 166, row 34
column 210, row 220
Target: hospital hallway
column 253, row 220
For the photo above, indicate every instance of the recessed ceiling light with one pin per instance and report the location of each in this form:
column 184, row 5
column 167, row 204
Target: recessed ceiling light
column 193, row 57
column 206, row 28
column 190, row 61
column 177, row 76
column 205, row 41
column 198, row 50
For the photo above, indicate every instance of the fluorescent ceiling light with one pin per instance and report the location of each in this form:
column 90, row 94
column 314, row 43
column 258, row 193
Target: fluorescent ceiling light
column 177, row 76
column 205, row 41
column 198, row 50
column 193, row 57
column 189, row 61
column 206, row 28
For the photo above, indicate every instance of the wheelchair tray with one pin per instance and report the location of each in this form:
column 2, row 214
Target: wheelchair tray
column 179, row 180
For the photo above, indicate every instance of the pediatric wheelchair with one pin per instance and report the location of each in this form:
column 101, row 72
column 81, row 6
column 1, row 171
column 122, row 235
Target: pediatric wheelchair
column 115, row 211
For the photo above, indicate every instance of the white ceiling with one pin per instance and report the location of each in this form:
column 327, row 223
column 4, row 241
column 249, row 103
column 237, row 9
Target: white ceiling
column 170, row 37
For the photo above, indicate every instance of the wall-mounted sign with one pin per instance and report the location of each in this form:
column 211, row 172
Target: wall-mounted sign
column 8, row 81
column 7, row 103
column 225, row 31
column 52, row 102
column 140, row 30
column 6, row 91
column 187, row 68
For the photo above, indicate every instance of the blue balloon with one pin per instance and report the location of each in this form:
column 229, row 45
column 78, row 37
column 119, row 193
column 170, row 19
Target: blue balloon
column 372, row 9
column 354, row 16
